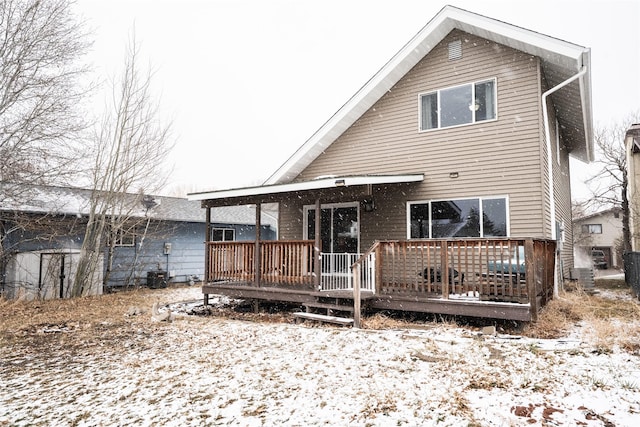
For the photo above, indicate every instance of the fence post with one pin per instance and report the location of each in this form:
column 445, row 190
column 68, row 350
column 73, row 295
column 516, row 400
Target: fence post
column 631, row 261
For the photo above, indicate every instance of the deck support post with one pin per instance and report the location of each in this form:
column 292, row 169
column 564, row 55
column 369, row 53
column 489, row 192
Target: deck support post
column 256, row 253
column 207, row 247
column 530, row 259
column 356, row 272
column 317, row 247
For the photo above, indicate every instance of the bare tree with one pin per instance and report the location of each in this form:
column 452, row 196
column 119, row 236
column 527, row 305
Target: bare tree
column 609, row 185
column 41, row 44
column 130, row 144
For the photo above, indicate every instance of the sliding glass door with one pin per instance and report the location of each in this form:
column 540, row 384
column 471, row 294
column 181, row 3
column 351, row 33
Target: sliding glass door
column 338, row 228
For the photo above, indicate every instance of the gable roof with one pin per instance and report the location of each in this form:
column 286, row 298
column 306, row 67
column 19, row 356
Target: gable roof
column 560, row 60
column 607, row 212
column 75, row 201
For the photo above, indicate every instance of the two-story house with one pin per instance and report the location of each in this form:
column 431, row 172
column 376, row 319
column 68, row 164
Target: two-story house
column 441, row 186
column 600, row 231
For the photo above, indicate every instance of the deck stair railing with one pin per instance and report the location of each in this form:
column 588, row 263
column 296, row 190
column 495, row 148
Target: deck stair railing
column 337, row 274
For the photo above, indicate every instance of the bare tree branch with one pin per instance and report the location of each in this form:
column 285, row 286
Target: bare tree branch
column 41, row 43
column 609, row 184
column 130, row 144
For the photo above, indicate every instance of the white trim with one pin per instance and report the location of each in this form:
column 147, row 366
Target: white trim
column 557, row 141
column 316, row 184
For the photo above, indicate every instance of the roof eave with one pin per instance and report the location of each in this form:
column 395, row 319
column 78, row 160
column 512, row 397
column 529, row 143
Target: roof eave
column 316, row 184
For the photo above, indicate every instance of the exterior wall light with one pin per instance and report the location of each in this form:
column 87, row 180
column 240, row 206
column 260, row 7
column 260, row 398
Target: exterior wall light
column 368, row 205
column 453, row 174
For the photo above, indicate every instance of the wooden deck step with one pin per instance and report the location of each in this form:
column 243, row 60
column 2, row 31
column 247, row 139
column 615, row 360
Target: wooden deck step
column 328, row 306
column 322, row 318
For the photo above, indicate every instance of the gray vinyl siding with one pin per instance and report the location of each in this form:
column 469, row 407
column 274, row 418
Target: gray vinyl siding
column 495, row 158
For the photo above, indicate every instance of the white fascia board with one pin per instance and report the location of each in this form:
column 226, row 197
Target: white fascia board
column 316, row 184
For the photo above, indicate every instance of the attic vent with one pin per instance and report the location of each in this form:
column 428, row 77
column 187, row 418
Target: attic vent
column 455, row 50
column 635, row 148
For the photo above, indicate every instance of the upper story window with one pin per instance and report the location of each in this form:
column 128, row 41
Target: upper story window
column 592, row 228
column 458, row 105
column 476, row 217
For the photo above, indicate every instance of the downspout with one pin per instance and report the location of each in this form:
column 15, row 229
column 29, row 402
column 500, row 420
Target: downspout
column 552, row 200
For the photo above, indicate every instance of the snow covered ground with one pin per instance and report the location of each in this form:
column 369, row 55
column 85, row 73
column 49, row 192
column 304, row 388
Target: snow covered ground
column 202, row 371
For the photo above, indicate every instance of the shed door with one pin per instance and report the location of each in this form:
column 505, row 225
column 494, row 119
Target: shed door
column 54, row 269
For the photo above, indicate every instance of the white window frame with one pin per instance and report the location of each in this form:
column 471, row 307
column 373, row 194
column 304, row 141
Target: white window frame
column 123, row 238
column 480, row 198
column 473, row 94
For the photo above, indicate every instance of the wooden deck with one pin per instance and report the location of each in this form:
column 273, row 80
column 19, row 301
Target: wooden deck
column 491, row 278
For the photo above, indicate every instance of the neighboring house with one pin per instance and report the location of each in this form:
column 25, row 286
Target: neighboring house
column 632, row 144
column 452, row 158
column 598, row 231
column 42, row 239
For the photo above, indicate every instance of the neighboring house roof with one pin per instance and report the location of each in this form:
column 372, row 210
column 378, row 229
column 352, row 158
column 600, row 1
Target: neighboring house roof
column 610, row 211
column 75, row 201
column 560, row 60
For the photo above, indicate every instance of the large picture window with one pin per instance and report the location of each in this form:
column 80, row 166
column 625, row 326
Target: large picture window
column 473, row 217
column 459, row 105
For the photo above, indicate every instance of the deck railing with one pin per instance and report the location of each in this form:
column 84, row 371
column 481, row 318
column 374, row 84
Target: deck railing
column 281, row 262
column 487, row 269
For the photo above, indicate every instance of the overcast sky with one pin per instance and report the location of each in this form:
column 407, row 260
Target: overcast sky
column 246, row 82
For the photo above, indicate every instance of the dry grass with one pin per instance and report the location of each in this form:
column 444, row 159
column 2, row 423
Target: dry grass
column 603, row 312
column 16, row 314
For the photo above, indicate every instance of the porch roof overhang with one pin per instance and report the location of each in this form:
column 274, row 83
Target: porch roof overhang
column 264, row 192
